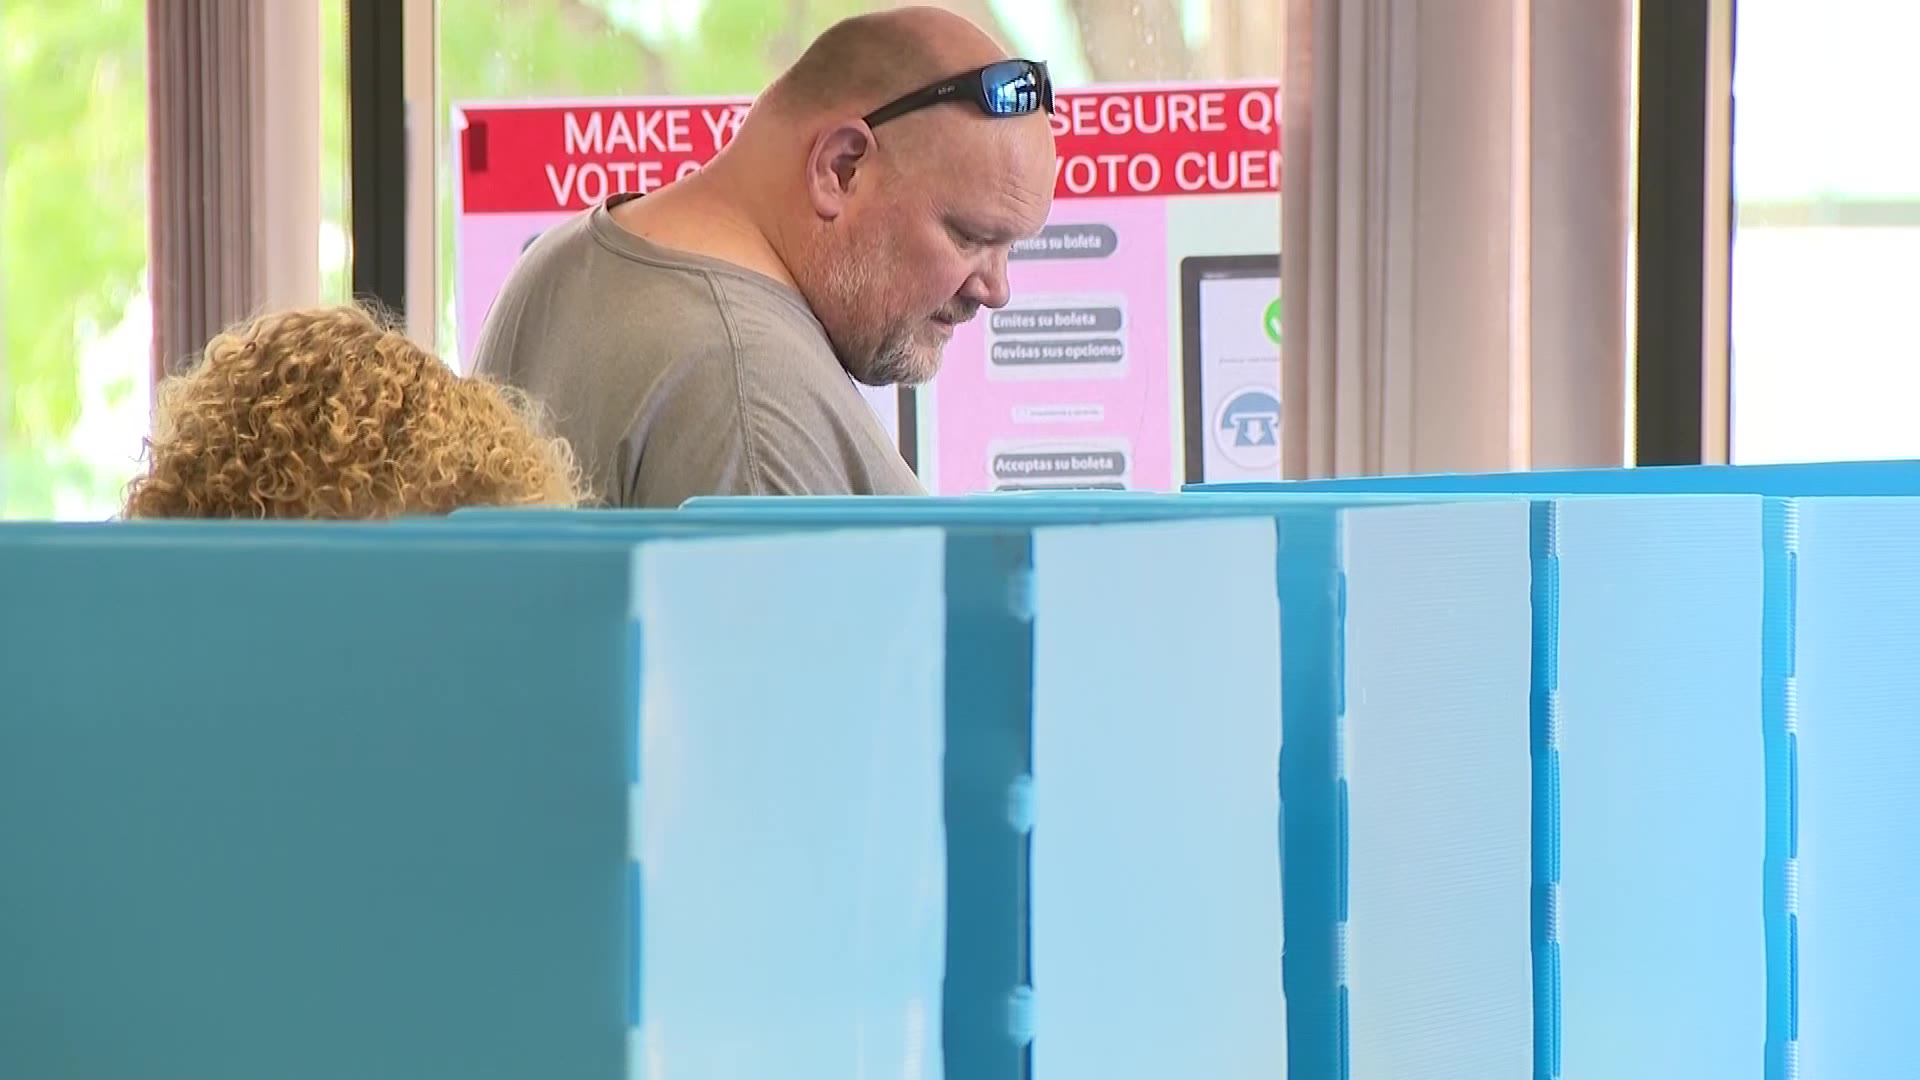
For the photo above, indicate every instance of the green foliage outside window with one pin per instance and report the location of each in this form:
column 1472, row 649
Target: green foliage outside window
column 73, row 224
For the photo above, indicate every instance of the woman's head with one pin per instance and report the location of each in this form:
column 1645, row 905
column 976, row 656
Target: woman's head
column 328, row 413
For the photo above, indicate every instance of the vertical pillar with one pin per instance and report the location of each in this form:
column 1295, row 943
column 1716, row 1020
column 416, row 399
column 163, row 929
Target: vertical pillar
column 1685, row 209
column 377, row 175
column 287, row 158
column 421, row 67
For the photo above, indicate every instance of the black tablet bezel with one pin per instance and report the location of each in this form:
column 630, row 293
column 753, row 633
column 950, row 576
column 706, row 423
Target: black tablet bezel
column 1193, row 270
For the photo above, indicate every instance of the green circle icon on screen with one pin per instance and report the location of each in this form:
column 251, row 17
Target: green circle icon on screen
column 1273, row 320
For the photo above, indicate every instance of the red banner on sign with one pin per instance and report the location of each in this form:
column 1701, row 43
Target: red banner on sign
column 1174, row 140
column 1169, row 140
column 519, row 159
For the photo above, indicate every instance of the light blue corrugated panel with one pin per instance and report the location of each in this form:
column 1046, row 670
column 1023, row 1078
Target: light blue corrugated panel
column 1311, row 621
column 1662, row 788
column 1858, row 738
column 277, row 804
column 1157, row 921
column 988, row 716
column 1436, row 761
column 793, row 895
column 1310, row 617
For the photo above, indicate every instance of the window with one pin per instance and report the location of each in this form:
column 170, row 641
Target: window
column 1826, row 252
column 334, row 284
column 74, row 322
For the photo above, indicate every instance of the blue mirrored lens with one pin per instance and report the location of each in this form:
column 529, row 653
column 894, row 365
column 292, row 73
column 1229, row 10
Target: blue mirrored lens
column 1012, row 88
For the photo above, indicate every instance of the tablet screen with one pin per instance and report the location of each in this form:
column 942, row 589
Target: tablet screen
column 1231, row 354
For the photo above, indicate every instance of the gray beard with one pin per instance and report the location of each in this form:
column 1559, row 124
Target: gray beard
column 890, row 362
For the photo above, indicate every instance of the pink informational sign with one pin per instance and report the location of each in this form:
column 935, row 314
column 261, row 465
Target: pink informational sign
column 524, row 168
column 1066, row 385
column 1119, row 363
column 1141, row 348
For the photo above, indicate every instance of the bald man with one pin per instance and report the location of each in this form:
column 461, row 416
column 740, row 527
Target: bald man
column 705, row 339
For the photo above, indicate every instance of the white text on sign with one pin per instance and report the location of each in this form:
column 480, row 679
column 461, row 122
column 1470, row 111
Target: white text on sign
column 1192, row 171
column 1208, row 112
column 599, row 133
column 592, row 182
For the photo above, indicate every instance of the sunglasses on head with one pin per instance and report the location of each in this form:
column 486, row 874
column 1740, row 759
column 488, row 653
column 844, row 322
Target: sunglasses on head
column 1005, row 88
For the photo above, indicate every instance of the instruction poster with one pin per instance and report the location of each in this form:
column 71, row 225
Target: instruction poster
column 524, row 168
column 1141, row 348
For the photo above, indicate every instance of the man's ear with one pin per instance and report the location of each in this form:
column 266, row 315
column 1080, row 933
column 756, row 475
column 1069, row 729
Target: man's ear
column 834, row 166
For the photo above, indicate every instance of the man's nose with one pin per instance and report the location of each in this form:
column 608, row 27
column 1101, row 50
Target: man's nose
column 988, row 287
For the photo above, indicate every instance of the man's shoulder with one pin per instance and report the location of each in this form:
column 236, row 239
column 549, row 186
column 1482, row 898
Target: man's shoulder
column 588, row 255
column 771, row 322
column 781, row 354
column 755, row 401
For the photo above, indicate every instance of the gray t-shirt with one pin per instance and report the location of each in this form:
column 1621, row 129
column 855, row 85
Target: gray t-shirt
column 675, row 375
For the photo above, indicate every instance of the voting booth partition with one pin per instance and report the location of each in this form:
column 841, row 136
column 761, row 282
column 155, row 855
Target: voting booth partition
column 354, row 802
column 1064, row 905
column 1730, row 687
column 1406, row 630
column 263, row 813
column 1410, row 777
column 470, row 799
column 1628, row 890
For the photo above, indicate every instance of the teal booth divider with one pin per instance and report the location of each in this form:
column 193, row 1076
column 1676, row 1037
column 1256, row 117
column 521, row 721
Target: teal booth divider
column 1309, row 628
column 1657, row 747
column 660, row 616
column 987, row 685
column 1091, row 664
column 1406, row 621
column 1578, row 779
column 1718, row 766
column 1678, row 643
column 1118, row 629
column 1857, row 732
column 789, row 827
column 990, row 684
column 359, row 804
column 1654, row 658
column 263, row 814
column 1436, row 786
column 1155, row 859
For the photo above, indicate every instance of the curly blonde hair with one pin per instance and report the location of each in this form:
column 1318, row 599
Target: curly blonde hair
column 330, row 413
